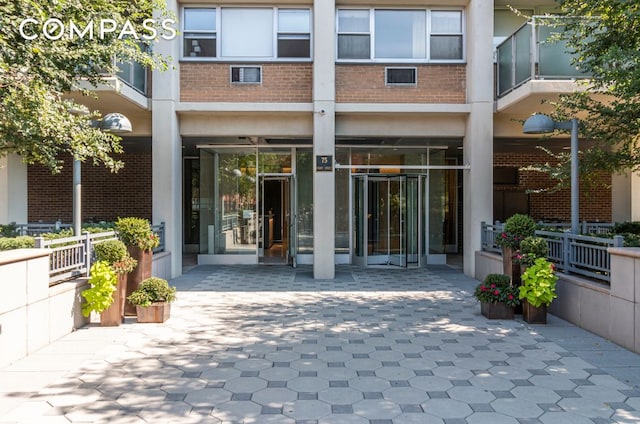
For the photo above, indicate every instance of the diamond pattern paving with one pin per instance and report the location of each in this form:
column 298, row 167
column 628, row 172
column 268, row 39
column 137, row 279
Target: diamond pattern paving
column 269, row 344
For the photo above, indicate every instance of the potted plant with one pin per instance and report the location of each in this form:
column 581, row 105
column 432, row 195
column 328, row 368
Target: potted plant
column 99, row 296
column 537, row 291
column 516, row 228
column 531, row 248
column 137, row 235
column 153, row 300
column 497, row 297
column 114, row 253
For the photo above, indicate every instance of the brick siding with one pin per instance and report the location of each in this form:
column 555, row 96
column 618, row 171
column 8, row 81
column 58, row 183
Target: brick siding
column 281, row 83
column 105, row 195
column 595, row 204
column 366, row 84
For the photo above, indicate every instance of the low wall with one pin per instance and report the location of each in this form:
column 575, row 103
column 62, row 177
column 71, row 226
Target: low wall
column 161, row 266
column 612, row 312
column 32, row 314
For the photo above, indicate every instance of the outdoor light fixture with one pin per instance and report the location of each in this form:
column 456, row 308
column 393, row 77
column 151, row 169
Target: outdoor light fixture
column 542, row 124
column 115, row 123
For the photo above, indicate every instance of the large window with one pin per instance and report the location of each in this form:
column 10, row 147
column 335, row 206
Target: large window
column 400, row 35
column 246, row 33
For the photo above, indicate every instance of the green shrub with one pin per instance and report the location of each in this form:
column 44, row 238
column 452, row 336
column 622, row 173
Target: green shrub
column 632, row 227
column 110, row 251
column 516, row 228
column 136, row 232
column 531, row 248
column 539, row 283
column 9, row 230
column 22, row 242
column 499, row 280
column 103, row 282
column 152, row 290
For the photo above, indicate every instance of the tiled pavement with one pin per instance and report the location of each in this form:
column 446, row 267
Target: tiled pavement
column 268, row 344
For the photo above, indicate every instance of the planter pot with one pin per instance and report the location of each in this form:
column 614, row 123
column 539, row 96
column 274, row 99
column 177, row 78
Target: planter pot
column 157, row 312
column 507, row 261
column 496, row 310
column 141, row 272
column 534, row 315
column 114, row 314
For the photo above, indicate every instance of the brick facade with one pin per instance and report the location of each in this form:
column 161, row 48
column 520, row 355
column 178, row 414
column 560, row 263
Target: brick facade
column 365, row 83
column 105, row 195
column 211, row 82
column 595, row 204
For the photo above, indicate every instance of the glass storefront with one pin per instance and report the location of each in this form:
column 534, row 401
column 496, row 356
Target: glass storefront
column 397, row 206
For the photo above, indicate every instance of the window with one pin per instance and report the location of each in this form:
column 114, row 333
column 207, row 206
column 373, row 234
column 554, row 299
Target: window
column 250, row 33
column 353, row 34
column 200, row 32
column 401, row 76
column 246, row 74
column 294, row 33
column 446, row 35
column 406, row 35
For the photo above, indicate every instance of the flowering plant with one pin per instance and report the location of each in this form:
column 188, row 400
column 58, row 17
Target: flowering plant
column 539, row 283
column 531, row 248
column 516, row 228
column 497, row 288
column 148, row 242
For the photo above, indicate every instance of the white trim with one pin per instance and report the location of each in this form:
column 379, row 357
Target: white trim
column 408, row 167
column 443, row 108
column 185, row 107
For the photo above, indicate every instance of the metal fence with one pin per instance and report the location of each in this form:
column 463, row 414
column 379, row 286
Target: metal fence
column 572, row 253
column 73, row 256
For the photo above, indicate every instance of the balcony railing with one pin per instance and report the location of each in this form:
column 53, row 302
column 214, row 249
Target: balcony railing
column 532, row 53
column 134, row 75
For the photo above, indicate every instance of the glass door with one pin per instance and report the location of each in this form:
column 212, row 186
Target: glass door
column 276, row 228
column 387, row 220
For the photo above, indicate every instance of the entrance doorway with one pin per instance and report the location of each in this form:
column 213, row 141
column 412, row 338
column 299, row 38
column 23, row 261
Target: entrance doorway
column 388, row 220
column 276, row 209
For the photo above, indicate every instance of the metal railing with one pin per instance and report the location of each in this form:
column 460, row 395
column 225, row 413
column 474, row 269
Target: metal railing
column 534, row 52
column 71, row 256
column 572, row 253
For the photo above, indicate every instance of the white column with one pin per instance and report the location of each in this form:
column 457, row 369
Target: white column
column 478, row 141
column 625, row 197
column 166, row 149
column 13, row 190
column 324, row 123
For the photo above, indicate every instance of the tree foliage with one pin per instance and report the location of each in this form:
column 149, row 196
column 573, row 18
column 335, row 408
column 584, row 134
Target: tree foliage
column 604, row 37
column 36, row 121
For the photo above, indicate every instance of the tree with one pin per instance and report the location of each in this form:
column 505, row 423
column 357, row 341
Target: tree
column 45, row 56
column 604, row 37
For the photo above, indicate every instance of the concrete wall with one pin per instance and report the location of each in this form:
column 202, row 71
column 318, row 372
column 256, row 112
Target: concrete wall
column 161, row 265
column 612, row 312
column 32, row 314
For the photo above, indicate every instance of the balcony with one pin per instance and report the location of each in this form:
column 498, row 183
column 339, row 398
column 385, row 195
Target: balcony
column 532, row 66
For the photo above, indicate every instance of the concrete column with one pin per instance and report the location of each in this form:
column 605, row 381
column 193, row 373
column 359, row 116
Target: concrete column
column 324, row 123
column 625, row 197
column 166, row 149
column 478, row 141
column 13, row 190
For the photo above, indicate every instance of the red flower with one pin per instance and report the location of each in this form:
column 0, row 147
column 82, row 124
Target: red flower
column 553, row 267
column 510, row 297
column 483, row 288
column 493, row 286
column 497, row 292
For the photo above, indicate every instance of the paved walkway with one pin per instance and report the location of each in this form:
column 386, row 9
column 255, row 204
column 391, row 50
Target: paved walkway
column 268, row 344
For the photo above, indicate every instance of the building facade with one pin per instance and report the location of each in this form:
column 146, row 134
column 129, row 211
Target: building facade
column 326, row 132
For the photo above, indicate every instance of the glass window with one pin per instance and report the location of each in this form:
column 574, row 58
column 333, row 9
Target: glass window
column 400, row 34
column 294, row 33
column 446, row 35
column 246, row 32
column 354, row 36
column 199, row 32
